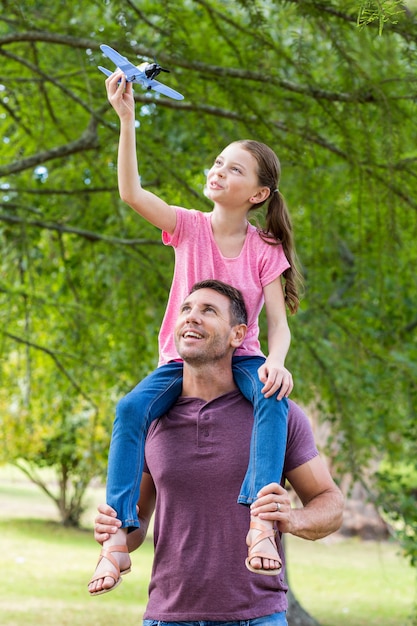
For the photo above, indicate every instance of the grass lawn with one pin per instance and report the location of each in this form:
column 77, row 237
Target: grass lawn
column 351, row 582
column 45, row 569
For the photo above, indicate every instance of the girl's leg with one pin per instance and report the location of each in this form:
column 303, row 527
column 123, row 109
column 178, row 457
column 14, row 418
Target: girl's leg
column 150, row 399
column 266, row 462
column 269, row 433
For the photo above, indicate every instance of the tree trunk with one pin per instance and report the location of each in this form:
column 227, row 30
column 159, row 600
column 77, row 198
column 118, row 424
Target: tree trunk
column 296, row 615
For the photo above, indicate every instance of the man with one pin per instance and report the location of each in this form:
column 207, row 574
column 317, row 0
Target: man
column 196, row 457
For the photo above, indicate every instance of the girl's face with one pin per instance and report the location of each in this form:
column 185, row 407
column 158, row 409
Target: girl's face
column 233, row 178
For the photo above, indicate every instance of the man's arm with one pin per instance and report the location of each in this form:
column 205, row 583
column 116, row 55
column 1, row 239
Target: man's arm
column 323, row 502
column 106, row 522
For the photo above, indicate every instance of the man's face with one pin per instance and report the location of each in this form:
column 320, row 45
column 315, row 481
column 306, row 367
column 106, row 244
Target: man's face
column 203, row 332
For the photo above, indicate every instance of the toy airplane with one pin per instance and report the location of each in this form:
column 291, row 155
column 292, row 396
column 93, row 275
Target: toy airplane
column 144, row 74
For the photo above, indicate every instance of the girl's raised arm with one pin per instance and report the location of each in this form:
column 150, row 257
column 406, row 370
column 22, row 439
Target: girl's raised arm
column 147, row 204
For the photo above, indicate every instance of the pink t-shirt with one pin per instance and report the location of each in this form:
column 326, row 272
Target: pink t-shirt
column 197, row 257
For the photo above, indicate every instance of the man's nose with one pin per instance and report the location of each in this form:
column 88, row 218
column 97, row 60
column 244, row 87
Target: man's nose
column 193, row 314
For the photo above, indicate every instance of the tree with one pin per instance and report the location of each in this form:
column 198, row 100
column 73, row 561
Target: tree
column 84, row 281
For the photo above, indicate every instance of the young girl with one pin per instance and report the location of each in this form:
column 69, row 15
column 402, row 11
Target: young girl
column 225, row 246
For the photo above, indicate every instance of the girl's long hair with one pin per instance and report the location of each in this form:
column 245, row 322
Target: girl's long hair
column 278, row 227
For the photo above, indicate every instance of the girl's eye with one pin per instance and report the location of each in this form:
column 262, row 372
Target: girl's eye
column 237, row 169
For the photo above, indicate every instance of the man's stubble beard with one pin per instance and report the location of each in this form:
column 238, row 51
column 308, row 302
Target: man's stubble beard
column 216, row 352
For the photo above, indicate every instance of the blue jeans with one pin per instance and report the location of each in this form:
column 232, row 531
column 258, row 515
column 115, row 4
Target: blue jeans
column 276, row 619
column 269, row 432
column 153, row 397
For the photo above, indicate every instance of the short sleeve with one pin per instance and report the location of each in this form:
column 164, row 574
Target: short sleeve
column 301, row 446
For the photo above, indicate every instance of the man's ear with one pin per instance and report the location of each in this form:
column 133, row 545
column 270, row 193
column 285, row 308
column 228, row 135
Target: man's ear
column 261, row 195
column 238, row 335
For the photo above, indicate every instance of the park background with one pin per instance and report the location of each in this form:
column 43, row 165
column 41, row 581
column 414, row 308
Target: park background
column 331, row 87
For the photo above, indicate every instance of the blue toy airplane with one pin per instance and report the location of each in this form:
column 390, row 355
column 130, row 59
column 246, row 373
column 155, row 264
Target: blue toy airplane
column 144, row 74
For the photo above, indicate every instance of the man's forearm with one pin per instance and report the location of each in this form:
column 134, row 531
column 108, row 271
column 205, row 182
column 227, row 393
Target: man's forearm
column 318, row 518
column 136, row 537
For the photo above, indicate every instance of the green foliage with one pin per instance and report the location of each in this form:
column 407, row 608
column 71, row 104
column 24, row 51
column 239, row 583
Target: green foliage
column 399, row 486
column 84, row 280
column 383, row 12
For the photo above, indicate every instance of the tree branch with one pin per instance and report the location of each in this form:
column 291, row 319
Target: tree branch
column 86, row 234
column 57, row 362
column 87, row 141
column 203, row 68
column 31, row 474
column 352, row 18
column 44, row 77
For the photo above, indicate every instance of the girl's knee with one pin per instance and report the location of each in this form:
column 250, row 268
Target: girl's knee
column 127, row 406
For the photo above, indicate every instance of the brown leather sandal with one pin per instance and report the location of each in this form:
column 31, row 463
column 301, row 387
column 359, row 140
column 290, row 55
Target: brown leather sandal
column 117, row 577
column 265, row 533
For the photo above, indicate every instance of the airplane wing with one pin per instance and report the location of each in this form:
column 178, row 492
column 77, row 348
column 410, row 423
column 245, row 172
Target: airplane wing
column 167, row 91
column 106, row 72
column 126, row 66
column 135, row 75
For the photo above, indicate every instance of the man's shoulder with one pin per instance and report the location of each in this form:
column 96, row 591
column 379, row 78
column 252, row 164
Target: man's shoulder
column 301, row 446
column 297, row 418
column 295, row 411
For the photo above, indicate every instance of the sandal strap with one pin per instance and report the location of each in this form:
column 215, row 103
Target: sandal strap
column 262, row 555
column 106, row 553
column 123, row 548
column 104, row 575
column 259, row 526
column 264, row 533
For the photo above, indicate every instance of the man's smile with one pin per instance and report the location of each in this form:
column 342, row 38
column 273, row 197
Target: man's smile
column 192, row 334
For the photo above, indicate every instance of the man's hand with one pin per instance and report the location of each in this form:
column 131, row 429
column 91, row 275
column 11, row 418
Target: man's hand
column 275, row 378
column 274, row 504
column 322, row 502
column 106, row 523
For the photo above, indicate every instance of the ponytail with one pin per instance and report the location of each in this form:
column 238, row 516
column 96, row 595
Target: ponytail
column 278, row 230
column 278, row 227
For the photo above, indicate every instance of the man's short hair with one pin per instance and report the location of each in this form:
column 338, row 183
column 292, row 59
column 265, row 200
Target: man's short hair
column 238, row 313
